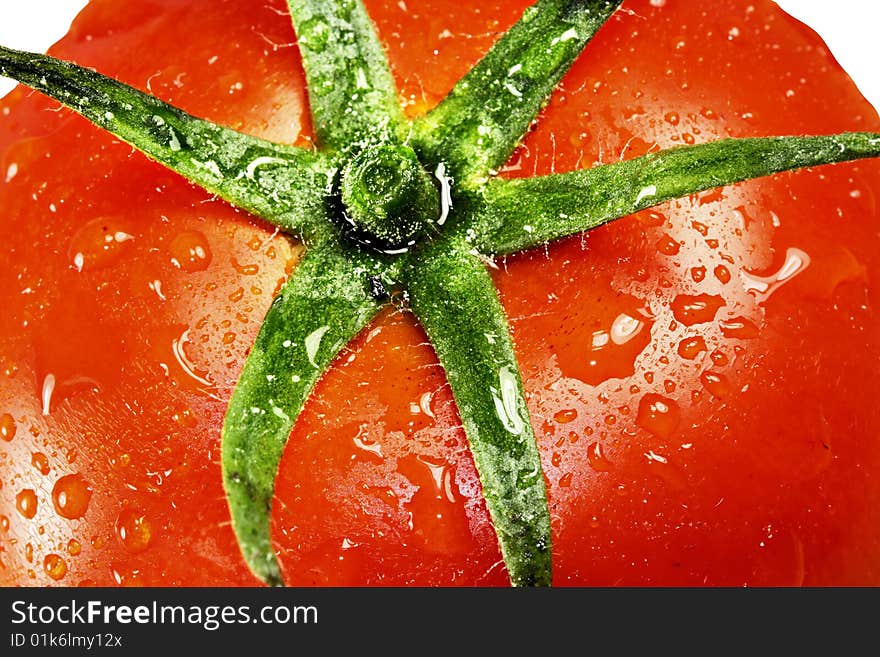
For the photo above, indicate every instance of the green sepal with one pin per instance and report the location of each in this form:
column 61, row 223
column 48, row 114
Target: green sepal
column 284, row 185
column 478, row 125
column 352, row 93
column 530, row 212
column 322, row 307
column 455, row 300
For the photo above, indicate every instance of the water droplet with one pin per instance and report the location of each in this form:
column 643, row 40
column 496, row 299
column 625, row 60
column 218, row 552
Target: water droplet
column 40, row 462
column 134, row 530
column 652, row 218
column 698, row 274
column 761, row 287
column 4, row 523
column 740, row 328
column 178, row 348
column 74, row 547
column 624, row 328
column 690, row 348
column 55, row 566
column 565, row 480
column 699, row 309
column 565, row 416
column 26, row 503
column 716, row 383
column 245, row 270
column 719, row 358
column 700, row 227
column 70, row 496
column 597, row 459
column 722, row 273
column 7, row 427
column 506, row 398
column 658, row 414
column 99, row 243
column 313, row 343
column 667, row 245
column 190, row 251
column 46, row 395
column 362, row 441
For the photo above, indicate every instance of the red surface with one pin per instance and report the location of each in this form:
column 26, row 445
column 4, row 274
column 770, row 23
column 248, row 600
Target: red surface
column 693, row 432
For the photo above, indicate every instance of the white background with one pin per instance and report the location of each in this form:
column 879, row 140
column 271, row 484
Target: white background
column 848, row 26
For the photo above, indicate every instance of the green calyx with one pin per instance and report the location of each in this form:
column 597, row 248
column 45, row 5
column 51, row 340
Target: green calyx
column 417, row 207
column 388, row 198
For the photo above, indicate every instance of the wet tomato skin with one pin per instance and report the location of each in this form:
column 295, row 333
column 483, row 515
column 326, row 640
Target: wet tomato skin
column 701, row 376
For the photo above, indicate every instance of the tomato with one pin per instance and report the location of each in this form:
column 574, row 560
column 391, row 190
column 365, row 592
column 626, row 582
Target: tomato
column 702, row 376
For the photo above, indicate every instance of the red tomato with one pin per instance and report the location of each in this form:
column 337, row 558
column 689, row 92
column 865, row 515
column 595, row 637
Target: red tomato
column 702, row 378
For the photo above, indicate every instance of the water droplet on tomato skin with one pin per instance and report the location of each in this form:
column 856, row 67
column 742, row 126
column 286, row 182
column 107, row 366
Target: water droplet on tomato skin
column 612, row 351
column 7, row 427
column 127, row 577
column 134, row 530
column 597, row 459
column 4, row 523
column 762, row 287
column 40, row 462
column 26, row 503
column 98, row 244
column 55, row 566
column 245, row 270
column 722, row 273
column 74, row 547
column 658, row 415
column 690, row 348
column 190, row 251
column 667, row 245
column 70, row 496
column 566, row 415
column 740, row 328
column 699, row 309
column 719, row 358
column 717, row 384
column 47, row 392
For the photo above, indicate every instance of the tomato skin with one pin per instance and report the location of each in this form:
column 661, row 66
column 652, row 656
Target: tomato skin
column 744, row 460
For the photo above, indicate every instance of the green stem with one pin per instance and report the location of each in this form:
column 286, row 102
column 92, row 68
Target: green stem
column 282, row 184
column 454, row 298
column 478, row 125
column 324, row 304
column 351, row 90
column 388, row 198
column 526, row 213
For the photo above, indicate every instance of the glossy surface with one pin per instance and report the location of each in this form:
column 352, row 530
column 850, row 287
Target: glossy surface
column 748, row 463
